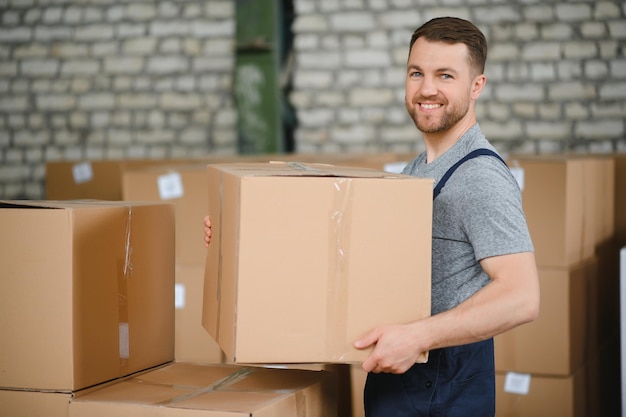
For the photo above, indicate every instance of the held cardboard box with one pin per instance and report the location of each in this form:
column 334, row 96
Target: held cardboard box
column 306, row 258
column 564, row 334
column 185, row 186
column 183, row 389
column 87, row 292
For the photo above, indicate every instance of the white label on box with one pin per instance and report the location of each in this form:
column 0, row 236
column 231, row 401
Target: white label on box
column 124, row 342
column 82, row 172
column 518, row 174
column 515, row 383
column 179, row 296
column 170, row 186
column 395, row 167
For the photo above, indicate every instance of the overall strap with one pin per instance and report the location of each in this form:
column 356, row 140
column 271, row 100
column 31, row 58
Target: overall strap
column 471, row 155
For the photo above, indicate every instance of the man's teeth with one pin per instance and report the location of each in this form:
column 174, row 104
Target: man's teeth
column 431, row 106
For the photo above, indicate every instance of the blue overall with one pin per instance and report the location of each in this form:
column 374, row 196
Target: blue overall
column 457, row 381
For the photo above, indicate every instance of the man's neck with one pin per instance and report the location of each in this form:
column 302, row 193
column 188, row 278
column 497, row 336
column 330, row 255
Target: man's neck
column 438, row 143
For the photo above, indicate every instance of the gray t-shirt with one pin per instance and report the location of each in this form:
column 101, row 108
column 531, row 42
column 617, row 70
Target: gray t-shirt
column 477, row 215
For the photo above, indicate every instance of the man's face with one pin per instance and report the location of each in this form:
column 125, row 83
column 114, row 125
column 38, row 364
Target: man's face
column 439, row 85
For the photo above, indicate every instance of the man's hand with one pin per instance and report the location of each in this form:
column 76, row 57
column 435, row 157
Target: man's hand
column 207, row 230
column 509, row 300
column 394, row 349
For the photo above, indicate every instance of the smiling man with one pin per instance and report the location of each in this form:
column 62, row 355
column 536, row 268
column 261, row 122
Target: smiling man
column 484, row 277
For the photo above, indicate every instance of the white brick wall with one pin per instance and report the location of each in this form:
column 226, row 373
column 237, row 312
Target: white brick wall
column 126, row 79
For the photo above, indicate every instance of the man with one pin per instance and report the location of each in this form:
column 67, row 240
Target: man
column 484, row 277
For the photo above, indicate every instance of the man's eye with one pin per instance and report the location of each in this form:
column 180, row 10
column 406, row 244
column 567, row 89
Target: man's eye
column 446, row 76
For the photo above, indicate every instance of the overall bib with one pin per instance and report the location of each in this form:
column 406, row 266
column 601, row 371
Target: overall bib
column 457, row 381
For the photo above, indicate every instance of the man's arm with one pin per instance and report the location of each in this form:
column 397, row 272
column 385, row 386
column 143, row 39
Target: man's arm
column 509, row 300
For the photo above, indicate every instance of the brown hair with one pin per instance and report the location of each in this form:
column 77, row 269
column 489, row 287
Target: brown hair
column 453, row 30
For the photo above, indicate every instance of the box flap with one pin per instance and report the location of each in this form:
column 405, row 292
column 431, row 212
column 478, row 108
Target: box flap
column 303, row 169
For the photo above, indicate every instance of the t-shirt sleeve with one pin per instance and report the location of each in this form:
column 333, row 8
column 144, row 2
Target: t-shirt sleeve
column 493, row 217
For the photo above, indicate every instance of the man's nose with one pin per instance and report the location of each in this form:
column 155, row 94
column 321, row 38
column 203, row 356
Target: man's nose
column 428, row 87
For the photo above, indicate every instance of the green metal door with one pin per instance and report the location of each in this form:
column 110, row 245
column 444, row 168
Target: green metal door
column 258, row 93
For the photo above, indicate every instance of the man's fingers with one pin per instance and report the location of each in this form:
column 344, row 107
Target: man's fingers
column 367, row 340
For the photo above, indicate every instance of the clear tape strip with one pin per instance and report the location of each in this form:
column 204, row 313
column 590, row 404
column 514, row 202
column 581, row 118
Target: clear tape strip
column 339, row 252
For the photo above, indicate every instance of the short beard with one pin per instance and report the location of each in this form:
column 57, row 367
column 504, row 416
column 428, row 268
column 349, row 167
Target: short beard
column 446, row 123
column 449, row 119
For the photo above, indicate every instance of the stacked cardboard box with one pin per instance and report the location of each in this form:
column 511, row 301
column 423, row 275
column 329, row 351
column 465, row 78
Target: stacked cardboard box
column 186, row 389
column 214, row 391
column 86, row 296
column 184, row 186
column 569, row 206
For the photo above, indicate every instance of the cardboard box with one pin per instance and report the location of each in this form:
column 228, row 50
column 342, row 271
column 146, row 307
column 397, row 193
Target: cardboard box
column 557, row 205
column 28, row 403
column 605, row 198
column 15, row 403
column 591, row 390
column 87, row 293
column 184, row 389
column 306, row 258
column 185, row 186
column 564, row 334
column 620, row 199
column 99, row 180
column 341, row 374
column 604, row 294
column 604, row 396
column 358, row 377
column 102, row 179
column 525, row 395
column 193, row 343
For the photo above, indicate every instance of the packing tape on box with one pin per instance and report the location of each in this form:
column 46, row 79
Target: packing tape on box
column 218, row 288
column 125, row 272
column 230, row 379
column 338, row 273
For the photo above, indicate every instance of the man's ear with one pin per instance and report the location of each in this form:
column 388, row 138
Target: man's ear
column 478, row 85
